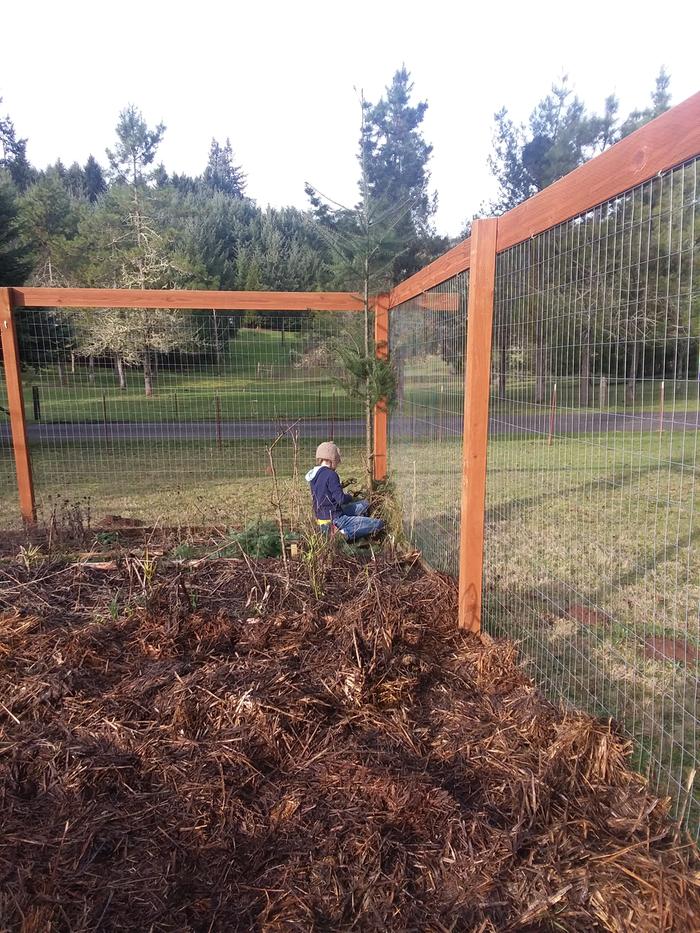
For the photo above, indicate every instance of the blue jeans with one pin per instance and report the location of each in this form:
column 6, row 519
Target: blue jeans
column 355, row 523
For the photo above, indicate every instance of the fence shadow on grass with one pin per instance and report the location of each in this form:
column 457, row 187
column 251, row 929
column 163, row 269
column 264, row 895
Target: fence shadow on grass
column 585, row 643
column 589, row 660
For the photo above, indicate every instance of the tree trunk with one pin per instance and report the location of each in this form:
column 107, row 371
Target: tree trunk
column 91, row 370
column 72, row 362
column 631, row 386
column 368, row 443
column 503, row 366
column 585, row 375
column 147, row 374
column 677, row 358
column 61, row 372
column 684, row 371
column 538, row 329
column 366, row 268
column 217, row 342
column 119, row 369
column 540, row 368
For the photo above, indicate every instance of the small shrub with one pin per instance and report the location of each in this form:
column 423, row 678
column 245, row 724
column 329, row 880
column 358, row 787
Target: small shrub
column 30, row 556
column 259, row 540
column 107, row 539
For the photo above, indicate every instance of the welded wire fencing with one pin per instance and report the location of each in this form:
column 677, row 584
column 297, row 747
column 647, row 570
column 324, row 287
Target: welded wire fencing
column 428, row 342
column 167, row 415
column 592, row 558
column 8, row 478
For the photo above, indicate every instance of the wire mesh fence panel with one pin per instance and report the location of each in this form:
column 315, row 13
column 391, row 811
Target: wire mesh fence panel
column 592, row 557
column 167, row 416
column 428, row 343
column 11, row 517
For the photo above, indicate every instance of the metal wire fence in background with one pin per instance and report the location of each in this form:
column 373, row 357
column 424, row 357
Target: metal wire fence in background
column 166, row 415
column 427, row 336
column 592, row 558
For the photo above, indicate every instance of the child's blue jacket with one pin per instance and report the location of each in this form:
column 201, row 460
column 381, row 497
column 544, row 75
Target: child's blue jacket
column 326, row 492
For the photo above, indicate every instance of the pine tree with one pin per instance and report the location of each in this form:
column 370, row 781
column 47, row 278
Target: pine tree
column 395, row 156
column 13, row 155
column 160, row 176
column 51, row 217
column 15, row 254
column 366, row 242
column 143, row 257
column 130, row 160
column 136, row 148
column 75, row 181
column 560, row 136
column 185, row 184
column 95, row 184
column 660, row 102
column 395, row 153
column 221, row 174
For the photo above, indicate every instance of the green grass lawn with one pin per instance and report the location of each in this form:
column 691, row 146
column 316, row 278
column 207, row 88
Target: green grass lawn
column 260, row 378
column 679, row 395
column 429, row 382
column 596, row 522
column 170, row 482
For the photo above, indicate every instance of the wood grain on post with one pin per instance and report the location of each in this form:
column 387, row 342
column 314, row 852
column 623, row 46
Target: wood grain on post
column 381, row 343
column 451, row 263
column 476, row 421
column 191, row 299
column 15, row 403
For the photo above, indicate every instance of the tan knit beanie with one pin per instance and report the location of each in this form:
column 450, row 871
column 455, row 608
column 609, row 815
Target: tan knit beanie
column 328, row 451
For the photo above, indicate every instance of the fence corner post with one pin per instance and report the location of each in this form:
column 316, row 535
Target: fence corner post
column 381, row 345
column 477, row 372
column 15, row 403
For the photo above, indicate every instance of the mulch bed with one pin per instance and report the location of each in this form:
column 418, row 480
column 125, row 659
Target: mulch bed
column 216, row 748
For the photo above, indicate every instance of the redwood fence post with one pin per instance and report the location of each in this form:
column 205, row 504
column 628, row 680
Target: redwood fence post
column 15, row 404
column 482, row 274
column 381, row 344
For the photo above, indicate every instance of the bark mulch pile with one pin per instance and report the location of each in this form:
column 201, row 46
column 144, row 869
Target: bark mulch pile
column 216, row 748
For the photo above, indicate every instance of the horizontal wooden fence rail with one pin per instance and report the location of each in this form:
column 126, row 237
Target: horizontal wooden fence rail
column 665, row 142
column 185, row 299
column 24, row 329
column 445, row 267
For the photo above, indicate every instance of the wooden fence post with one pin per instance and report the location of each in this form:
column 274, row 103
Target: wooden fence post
column 381, row 344
column 15, row 403
column 482, row 274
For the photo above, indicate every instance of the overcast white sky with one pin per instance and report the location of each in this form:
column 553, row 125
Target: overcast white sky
column 279, row 78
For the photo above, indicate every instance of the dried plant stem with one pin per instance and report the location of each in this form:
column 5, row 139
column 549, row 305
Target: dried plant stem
column 277, row 497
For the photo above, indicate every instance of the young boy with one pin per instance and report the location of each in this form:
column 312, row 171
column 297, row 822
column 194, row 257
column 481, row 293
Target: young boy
column 331, row 504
